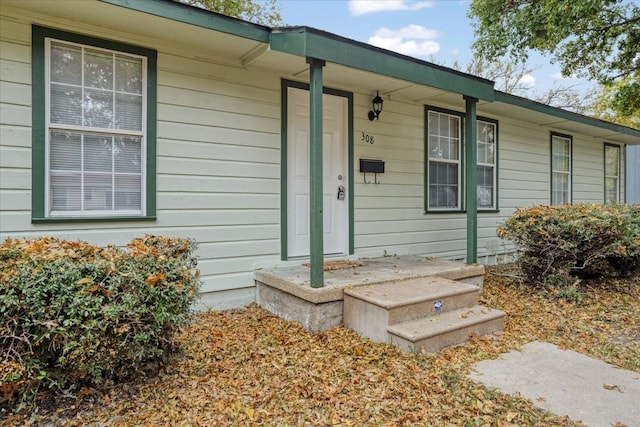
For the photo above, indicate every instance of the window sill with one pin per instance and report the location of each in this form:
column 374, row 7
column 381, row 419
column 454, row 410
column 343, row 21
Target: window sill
column 457, row 211
column 60, row 220
column 480, row 211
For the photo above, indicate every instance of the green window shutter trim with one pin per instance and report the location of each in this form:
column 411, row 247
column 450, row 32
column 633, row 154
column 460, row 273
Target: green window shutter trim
column 38, row 120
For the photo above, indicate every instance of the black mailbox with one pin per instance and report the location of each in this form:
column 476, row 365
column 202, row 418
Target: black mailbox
column 371, row 166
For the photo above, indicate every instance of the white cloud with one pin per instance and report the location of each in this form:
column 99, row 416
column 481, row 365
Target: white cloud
column 527, row 81
column 363, row 7
column 455, row 52
column 413, row 40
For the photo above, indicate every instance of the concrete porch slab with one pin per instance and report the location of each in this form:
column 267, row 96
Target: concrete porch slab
column 286, row 291
column 295, row 280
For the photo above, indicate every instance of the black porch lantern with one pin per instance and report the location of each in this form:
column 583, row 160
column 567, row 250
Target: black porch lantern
column 377, row 107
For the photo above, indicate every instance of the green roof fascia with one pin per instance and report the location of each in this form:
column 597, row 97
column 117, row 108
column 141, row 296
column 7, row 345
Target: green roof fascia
column 563, row 114
column 309, row 42
column 195, row 16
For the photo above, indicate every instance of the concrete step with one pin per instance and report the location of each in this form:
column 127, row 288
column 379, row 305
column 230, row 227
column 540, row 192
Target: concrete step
column 431, row 334
column 370, row 309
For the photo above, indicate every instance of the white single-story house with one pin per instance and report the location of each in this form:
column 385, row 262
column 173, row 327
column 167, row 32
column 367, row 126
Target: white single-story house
column 120, row 118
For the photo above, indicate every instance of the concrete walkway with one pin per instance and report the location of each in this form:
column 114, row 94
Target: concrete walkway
column 566, row 383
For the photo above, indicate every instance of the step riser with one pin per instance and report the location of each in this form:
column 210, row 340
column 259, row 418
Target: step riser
column 427, row 308
column 367, row 319
column 436, row 343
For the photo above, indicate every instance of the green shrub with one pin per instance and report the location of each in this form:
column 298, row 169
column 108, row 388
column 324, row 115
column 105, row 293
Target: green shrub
column 74, row 313
column 558, row 244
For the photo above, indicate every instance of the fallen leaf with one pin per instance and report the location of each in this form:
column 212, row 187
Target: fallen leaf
column 612, row 387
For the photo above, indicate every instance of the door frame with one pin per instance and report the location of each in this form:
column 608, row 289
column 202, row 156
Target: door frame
column 284, row 101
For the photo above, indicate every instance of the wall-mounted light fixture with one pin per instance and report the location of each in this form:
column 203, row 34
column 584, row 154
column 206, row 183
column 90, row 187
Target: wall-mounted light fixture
column 377, row 107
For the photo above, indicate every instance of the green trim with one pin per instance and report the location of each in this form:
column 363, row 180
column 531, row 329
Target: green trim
column 284, row 85
column 563, row 114
column 177, row 11
column 309, row 42
column 316, row 202
column 350, row 166
column 471, row 177
column 38, row 112
column 604, row 170
column 284, row 164
column 151, row 135
column 63, row 220
column 38, row 123
column 460, row 208
column 570, row 138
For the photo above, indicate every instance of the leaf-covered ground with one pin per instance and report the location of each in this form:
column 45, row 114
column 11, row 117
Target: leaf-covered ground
column 248, row 367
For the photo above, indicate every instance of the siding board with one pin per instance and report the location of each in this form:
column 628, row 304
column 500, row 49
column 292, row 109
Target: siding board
column 194, row 150
column 16, row 93
column 216, row 184
column 172, row 132
column 15, row 115
column 15, row 157
column 15, row 72
column 213, row 201
column 210, row 167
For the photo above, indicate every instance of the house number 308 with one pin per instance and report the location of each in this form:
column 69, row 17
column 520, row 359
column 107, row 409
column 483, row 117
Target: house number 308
column 368, row 138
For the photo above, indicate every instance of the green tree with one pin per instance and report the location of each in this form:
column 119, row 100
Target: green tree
column 601, row 107
column 595, row 39
column 265, row 12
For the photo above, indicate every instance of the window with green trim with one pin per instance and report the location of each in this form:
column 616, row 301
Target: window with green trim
column 443, row 161
column 611, row 173
column 561, row 169
column 98, row 130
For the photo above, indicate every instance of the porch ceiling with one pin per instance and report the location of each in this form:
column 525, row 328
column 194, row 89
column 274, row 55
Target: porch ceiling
column 355, row 80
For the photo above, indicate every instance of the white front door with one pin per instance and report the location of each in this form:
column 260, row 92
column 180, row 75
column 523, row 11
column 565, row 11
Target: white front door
column 335, row 173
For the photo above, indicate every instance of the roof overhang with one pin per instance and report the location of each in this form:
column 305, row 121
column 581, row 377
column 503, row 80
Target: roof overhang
column 180, row 12
column 558, row 119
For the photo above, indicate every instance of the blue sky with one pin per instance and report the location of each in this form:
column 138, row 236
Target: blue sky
column 436, row 30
